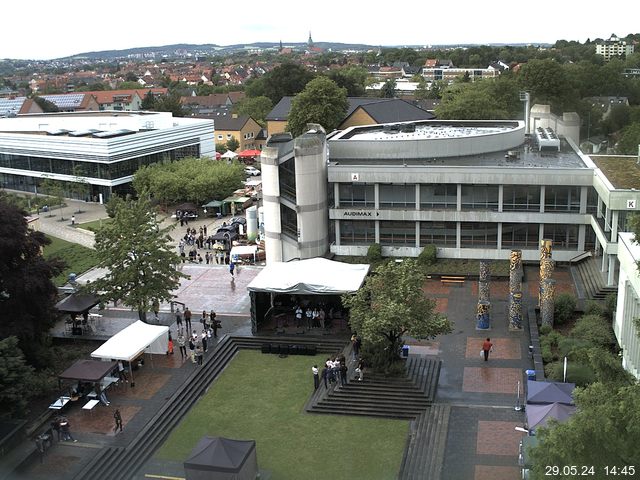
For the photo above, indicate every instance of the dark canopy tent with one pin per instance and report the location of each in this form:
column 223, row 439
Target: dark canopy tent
column 216, row 206
column 539, row 415
column 88, row 370
column 550, row 392
column 219, row 458
column 77, row 303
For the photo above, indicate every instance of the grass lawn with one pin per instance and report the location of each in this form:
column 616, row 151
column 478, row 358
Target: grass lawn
column 94, row 225
column 79, row 259
column 261, row 397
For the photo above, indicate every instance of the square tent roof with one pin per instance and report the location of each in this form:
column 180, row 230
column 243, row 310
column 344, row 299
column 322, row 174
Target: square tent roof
column 219, row 458
column 88, row 370
column 539, row 415
column 549, row 392
column 77, row 303
column 213, row 204
column 315, row 276
column 133, row 341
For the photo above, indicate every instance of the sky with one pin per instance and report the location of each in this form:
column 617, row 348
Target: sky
column 58, row 29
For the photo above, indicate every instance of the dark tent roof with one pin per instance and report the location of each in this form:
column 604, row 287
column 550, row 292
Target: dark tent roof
column 186, row 206
column 224, row 236
column 549, row 392
column 88, row 370
column 77, row 303
column 213, row 204
column 539, row 415
column 220, row 454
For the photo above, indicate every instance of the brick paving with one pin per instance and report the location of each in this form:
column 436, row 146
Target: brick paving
column 497, row 438
column 491, row 380
column 492, row 472
column 503, row 348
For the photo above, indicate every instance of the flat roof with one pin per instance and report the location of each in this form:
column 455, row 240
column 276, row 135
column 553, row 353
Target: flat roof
column 622, row 171
column 432, row 130
column 525, row 155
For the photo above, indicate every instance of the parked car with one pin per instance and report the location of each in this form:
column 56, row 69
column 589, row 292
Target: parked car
column 252, row 171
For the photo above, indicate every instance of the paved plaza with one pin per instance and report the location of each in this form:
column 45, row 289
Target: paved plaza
column 481, row 442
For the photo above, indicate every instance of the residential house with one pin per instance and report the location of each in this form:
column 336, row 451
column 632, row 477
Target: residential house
column 74, row 102
column 607, row 103
column 13, row 106
column 230, row 125
column 614, row 47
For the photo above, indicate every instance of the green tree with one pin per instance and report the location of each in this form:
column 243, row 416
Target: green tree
column 148, row 102
column 15, row 380
column 233, row 144
column 629, row 140
column 548, row 82
column 27, row 294
column 604, row 431
column 322, row 102
column 141, row 263
column 79, row 185
column 129, row 86
column 471, row 101
column 286, row 79
column 391, row 304
column 388, row 90
column 256, row 107
column 169, row 103
column 55, row 189
column 353, row 78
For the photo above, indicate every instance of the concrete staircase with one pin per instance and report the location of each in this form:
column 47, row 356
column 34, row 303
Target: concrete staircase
column 122, row 463
column 424, row 457
column 592, row 279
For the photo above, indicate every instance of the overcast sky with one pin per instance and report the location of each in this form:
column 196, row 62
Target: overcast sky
column 56, row 29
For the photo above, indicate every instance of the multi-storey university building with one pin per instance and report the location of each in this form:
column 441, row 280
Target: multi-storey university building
column 614, row 47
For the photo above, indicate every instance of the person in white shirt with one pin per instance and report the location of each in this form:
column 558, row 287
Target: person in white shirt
column 316, row 378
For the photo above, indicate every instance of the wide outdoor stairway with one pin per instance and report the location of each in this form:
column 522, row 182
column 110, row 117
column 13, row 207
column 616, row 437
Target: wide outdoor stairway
column 588, row 273
column 424, row 456
column 121, row 463
column 378, row 396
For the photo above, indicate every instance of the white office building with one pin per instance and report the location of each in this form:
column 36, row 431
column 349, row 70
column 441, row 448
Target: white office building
column 628, row 307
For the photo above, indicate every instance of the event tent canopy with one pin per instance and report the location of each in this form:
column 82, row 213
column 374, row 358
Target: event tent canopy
column 549, row 392
column 229, row 154
column 539, row 415
column 218, row 458
column 213, row 204
column 134, row 340
column 77, row 303
column 315, row 276
column 249, row 153
column 88, row 370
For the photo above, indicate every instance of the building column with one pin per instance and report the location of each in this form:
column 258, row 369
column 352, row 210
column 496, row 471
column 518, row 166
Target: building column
column 378, row 231
column 612, row 271
column 614, row 226
column 582, row 233
column 599, row 210
column 607, row 219
column 459, row 198
column 540, row 232
column 336, row 224
column 500, row 198
column 542, row 195
column 417, row 234
column 376, row 196
column 336, row 194
column 605, row 258
column 458, row 235
column 499, row 236
column 417, row 196
column 584, row 192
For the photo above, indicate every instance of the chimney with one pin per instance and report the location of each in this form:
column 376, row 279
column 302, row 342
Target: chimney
column 234, row 115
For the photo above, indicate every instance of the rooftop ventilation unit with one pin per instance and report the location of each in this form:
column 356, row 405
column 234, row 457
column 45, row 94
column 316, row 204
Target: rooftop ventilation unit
column 547, row 139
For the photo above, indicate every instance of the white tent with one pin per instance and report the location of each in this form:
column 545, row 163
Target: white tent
column 229, row 154
column 315, row 276
column 133, row 341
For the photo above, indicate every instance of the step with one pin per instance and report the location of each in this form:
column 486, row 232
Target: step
column 374, row 403
column 390, row 395
column 370, row 412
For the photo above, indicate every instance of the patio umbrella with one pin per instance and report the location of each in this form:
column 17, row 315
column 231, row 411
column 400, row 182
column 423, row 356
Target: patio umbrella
column 539, row 415
column 229, row 154
column 249, row 153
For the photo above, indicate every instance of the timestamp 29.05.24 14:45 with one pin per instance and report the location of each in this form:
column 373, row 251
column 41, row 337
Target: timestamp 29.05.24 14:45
column 628, row 471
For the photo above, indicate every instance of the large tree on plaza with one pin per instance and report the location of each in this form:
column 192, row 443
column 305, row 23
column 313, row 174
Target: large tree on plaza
column 27, row 293
column 322, row 102
column 141, row 263
column 391, row 304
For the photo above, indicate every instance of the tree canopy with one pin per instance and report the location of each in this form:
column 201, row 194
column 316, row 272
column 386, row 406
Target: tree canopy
column 286, row 79
column 353, row 78
column 484, row 99
column 604, row 431
column 27, row 293
column 322, row 102
column 191, row 179
column 256, row 107
column 390, row 304
column 15, row 380
column 141, row 263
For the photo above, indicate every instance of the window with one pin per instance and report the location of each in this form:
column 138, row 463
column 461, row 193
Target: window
column 289, row 221
column 562, row 199
column 357, row 232
column 287, row 171
column 516, row 198
column 478, row 234
column 520, row 235
column 480, row 197
column 220, row 137
column 565, row 237
column 356, row 195
column 441, row 234
column 229, row 136
column 439, row 196
column 397, row 196
column 398, row 233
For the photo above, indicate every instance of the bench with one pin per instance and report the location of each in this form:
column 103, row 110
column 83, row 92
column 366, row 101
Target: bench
column 90, row 405
column 446, row 280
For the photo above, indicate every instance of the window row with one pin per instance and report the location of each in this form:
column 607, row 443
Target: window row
column 472, row 197
column 444, row 234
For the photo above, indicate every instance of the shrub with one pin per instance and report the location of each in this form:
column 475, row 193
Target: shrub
column 565, row 305
column 593, row 308
column 548, row 343
column 610, row 304
column 577, row 373
column 428, row 255
column 545, row 329
column 374, row 254
column 595, row 329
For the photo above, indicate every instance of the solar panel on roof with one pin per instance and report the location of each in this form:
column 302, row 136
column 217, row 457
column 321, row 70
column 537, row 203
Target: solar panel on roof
column 113, row 133
column 71, row 100
column 83, row 133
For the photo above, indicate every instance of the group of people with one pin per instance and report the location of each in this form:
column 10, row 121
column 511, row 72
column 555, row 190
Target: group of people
column 62, row 427
column 192, row 241
column 197, row 343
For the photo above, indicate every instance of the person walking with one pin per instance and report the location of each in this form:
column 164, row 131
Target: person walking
column 487, row 347
column 192, row 349
column 178, row 319
column 316, row 377
column 187, row 318
column 215, row 323
column 325, row 374
column 343, row 373
column 232, row 267
column 170, row 345
column 360, row 370
column 199, row 355
column 204, row 340
column 182, row 345
column 65, row 430
column 73, row 220
column 118, row 418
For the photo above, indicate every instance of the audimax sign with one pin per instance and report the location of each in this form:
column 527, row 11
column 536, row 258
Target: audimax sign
column 360, row 213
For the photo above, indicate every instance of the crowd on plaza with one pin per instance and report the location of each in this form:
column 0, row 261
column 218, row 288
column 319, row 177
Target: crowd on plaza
column 189, row 338
column 217, row 247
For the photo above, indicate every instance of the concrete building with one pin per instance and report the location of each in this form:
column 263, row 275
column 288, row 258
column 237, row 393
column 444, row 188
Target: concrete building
column 613, row 47
column 628, row 306
column 105, row 147
column 475, row 189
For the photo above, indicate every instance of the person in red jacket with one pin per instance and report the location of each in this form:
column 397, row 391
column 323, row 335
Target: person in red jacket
column 486, row 348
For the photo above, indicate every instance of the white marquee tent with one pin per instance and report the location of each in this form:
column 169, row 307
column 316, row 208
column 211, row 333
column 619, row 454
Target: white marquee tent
column 315, row 276
column 136, row 339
